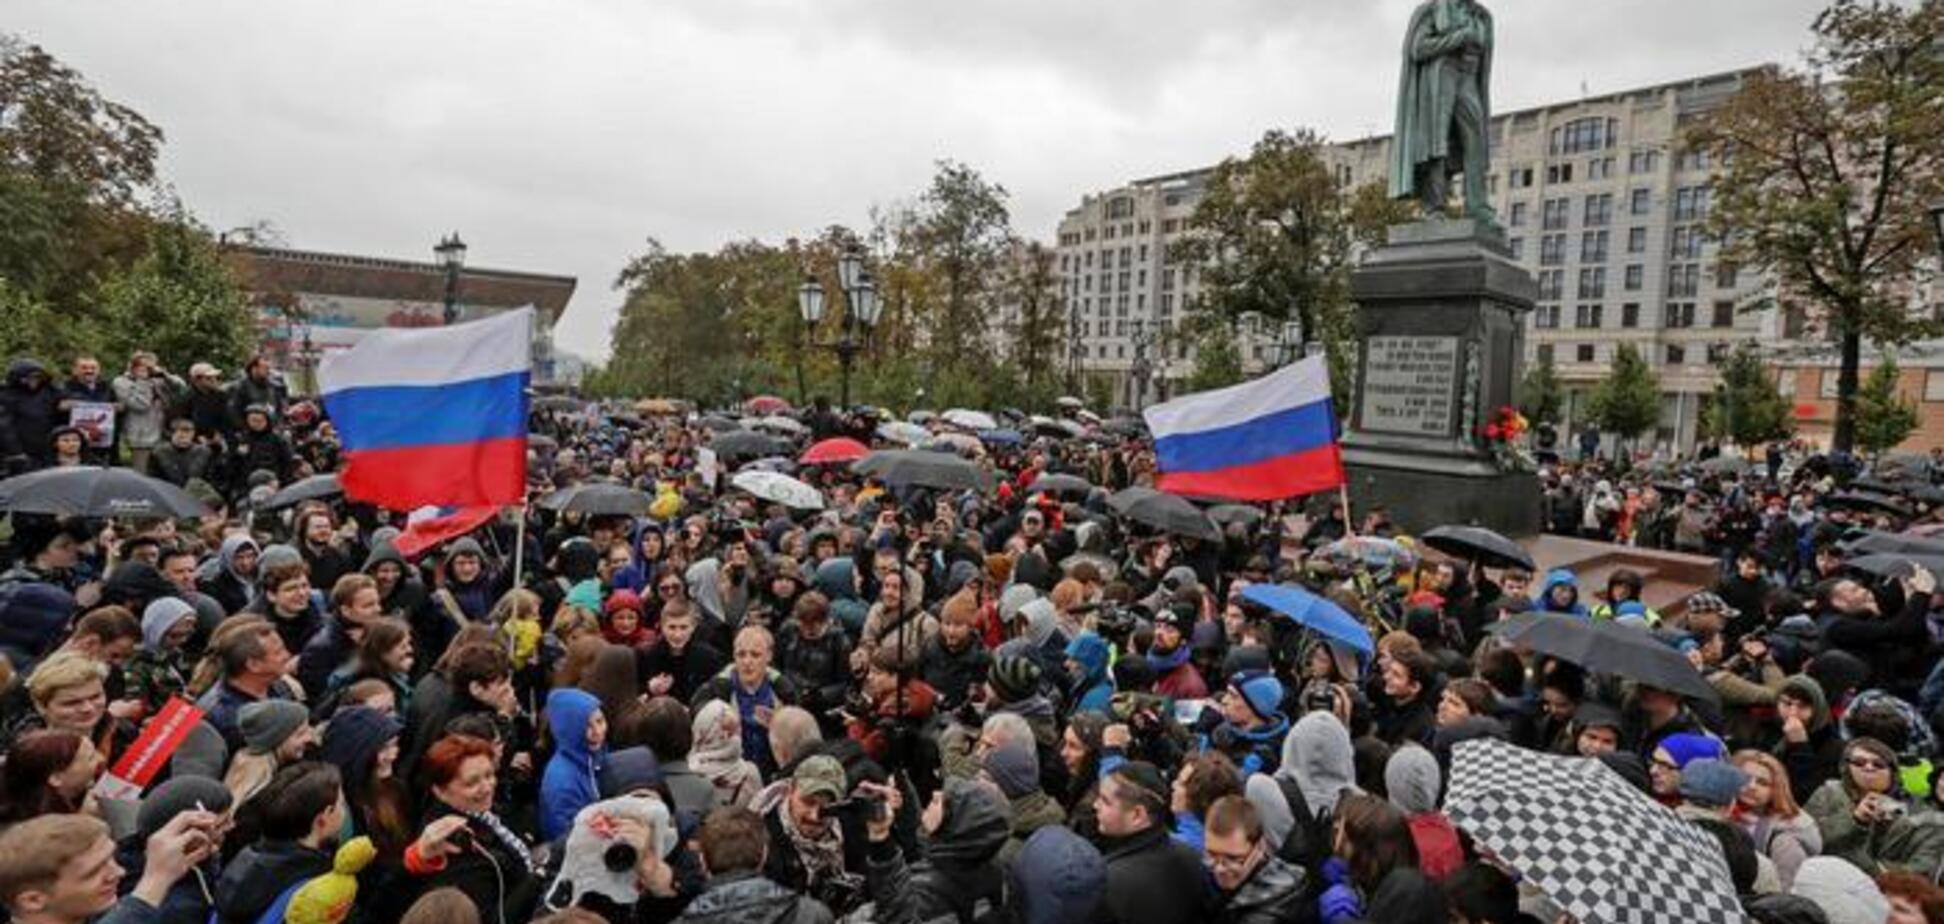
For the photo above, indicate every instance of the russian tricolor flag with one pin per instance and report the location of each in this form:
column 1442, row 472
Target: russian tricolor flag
column 1270, row 439
column 434, row 416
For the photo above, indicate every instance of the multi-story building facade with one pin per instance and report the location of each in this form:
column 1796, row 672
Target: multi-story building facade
column 1599, row 198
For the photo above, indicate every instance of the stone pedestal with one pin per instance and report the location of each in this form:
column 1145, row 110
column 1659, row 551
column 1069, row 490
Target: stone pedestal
column 1442, row 311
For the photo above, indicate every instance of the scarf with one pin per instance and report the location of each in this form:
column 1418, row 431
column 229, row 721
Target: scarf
column 822, row 855
column 507, row 838
column 1163, row 663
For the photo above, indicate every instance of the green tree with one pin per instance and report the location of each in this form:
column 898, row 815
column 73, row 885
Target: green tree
column 1746, row 407
column 1036, row 333
column 957, row 237
column 1884, row 417
column 1541, row 394
column 1218, row 359
column 1828, row 173
column 1627, row 402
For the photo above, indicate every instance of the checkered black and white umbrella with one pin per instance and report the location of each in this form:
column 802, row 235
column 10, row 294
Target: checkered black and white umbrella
column 1591, row 842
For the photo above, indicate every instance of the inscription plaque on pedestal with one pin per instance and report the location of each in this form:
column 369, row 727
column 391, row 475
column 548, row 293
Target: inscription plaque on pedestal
column 1409, row 385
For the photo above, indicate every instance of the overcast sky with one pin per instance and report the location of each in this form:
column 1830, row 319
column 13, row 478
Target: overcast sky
column 556, row 136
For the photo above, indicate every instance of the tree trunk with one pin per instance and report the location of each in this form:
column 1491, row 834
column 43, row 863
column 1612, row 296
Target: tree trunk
column 1847, row 375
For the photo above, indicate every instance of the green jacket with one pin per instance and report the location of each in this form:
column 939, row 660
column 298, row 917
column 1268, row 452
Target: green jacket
column 1913, row 843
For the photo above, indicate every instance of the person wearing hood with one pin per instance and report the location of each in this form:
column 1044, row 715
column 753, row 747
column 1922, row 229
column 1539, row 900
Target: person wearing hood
column 572, row 778
column 716, row 754
column 836, row 578
column 1253, row 885
column 1253, row 725
column 28, row 417
column 897, row 622
column 1299, row 801
column 1810, row 745
column 155, row 672
column 1842, row 892
column 189, row 901
column 1087, row 656
column 1866, row 817
column 649, row 548
column 962, row 830
column 464, row 588
column 956, row 661
column 233, row 579
column 1175, row 676
column 401, row 595
column 1151, row 877
column 1014, row 768
column 1413, row 783
column 1560, row 593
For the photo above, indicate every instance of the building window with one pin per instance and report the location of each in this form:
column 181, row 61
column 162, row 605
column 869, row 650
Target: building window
column 1518, row 219
column 1593, row 247
column 1126, row 256
column 1557, row 212
column 1592, row 282
column 1583, row 352
column 1724, row 314
column 1518, row 248
column 1680, row 315
column 1636, row 277
column 1599, row 210
column 1717, row 353
column 1519, row 178
column 1630, row 314
column 1120, row 207
column 1599, row 168
column 1643, row 161
column 1587, row 317
column 1726, row 275
column 1581, row 135
column 1640, row 201
column 1830, row 378
column 1636, row 240
column 1694, row 159
column 1686, row 243
column 1144, row 253
column 1167, row 304
column 1691, row 203
column 1934, row 385
column 1676, row 354
column 1545, row 352
column 1552, row 250
column 1169, row 225
column 1785, row 383
column 1546, row 317
column 1140, row 279
column 1559, row 173
column 1550, row 284
column 1684, row 281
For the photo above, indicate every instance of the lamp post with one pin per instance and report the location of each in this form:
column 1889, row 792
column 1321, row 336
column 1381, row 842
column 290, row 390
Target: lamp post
column 861, row 312
column 1141, row 366
column 452, row 255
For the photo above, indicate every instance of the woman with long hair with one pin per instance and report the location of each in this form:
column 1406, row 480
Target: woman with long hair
column 47, row 772
column 464, row 843
column 1375, row 874
column 1767, row 810
column 613, row 679
column 385, row 653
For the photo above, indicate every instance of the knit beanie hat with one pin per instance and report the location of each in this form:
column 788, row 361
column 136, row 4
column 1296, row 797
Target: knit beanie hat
column 1014, row 768
column 1014, row 677
column 628, row 770
column 586, row 595
column 203, row 753
column 1262, row 691
column 1711, row 782
column 623, row 600
column 1688, row 747
column 267, row 723
column 276, row 556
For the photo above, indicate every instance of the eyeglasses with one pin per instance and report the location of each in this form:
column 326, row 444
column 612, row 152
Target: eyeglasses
column 1866, row 763
column 1666, row 765
column 1231, row 862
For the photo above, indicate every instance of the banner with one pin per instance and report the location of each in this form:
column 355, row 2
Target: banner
column 151, row 751
column 95, row 420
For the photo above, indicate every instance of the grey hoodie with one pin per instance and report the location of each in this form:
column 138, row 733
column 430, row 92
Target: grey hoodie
column 1318, row 758
column 1412, row 777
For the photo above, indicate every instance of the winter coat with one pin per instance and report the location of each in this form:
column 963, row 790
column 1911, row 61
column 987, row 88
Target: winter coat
column 775, row 692
column 1318, row 762
column 323, row 654
column 748, row 898
column 905, row 634
column 218, row 578
column 28, row 417
column 836, row 578
column 252, row 881
column 1030, row 812
column 35, row 610
column 819, row 667
column 145, row 407
column 1405, row 896
column 1275, row 893
column 502, row 886
column 954, row 674
column 179, row 466
column 1786, row 841
column 1560, row 577
column 1153, row 878
column 572, row 778
column 1093, row 690
column 689, row 670
column 1914, row 842
column 957, row 873
column 1894, row 645
column 1411, row 779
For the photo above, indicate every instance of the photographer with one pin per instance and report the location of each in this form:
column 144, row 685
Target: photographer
column 963, row 827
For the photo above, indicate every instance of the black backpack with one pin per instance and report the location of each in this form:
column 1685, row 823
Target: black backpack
column 1308, row 842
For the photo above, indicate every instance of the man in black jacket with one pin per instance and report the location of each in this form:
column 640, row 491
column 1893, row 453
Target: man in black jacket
column 1151, row 877
column 815, row 655
column 28, row 417
column 735, row 849
column 301, row 814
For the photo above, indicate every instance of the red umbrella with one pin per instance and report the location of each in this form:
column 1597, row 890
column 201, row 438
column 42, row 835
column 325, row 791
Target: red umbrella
column 837, row 449
column 767, row 404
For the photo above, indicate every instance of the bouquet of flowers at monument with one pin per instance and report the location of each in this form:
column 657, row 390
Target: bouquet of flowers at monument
column 1503, row 433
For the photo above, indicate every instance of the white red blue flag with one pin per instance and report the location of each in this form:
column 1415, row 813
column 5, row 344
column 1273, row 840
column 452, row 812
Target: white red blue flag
column 1269, row 439
column 434, row 416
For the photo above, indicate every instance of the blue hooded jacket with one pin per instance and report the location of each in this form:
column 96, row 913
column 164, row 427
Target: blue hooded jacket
column 836, row 579
column 1554, row 578
column 573, row 778
column 1095, row 691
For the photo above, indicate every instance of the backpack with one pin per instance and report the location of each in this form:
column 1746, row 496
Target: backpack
column 1308, row 843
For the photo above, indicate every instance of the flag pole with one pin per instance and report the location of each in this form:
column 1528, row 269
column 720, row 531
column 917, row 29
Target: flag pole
column 1343, row 497
column 519, row 546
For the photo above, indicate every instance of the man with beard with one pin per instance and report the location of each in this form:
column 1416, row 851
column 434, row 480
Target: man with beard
column 1175, row 674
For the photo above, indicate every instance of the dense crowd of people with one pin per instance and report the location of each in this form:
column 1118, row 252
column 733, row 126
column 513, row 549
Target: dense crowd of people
column 911, row 705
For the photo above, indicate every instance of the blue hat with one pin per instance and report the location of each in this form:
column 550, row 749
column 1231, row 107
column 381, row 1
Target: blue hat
column 1688, row 747
column 628, row 770
column 1262, row 691
column 1711, row 782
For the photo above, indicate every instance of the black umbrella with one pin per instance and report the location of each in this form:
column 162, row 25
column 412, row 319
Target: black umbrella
column 599, row 499
column 1061, row 484
column 87, row 491
column 1606, row 647
column 747, row 444
column 316, row 487
column 1166, row 512
column 1893, row 544
column 557, row 403
column 1721, row 465
column 1867, row 500
column 1476, row 543
column 719, row 423
column 541, row 442
column 1230, row 514
column 1897, row 565
column 1125, row 426
column 925, row 469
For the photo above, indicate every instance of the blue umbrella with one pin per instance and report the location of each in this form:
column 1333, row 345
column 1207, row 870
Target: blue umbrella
column 1002, row 437
column 1314, row 613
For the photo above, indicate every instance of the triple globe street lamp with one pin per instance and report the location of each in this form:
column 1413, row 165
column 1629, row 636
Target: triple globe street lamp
column 452, row 255
column 861, row 315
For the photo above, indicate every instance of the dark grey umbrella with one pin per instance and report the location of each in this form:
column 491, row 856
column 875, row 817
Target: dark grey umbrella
column 1606, row 647
column 1724, row 464
column 1061, row 484
column 557, row 403
column 747, row 444
column 316, row 487
column 1881, row 543
column 1476, row 543
column 87, row 491
column 599, row 499
column 1897, row 565
column 1165, row 512
column 541, row 442
column 719, row 423
column 1229, row 514
column 1869, row 500
column 925, row 469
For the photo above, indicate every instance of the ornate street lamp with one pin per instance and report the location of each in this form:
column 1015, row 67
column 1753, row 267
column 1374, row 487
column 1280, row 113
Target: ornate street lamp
column 862, row 308
column 452, row 255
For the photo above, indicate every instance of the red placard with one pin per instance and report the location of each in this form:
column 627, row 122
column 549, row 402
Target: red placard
column 151, row 750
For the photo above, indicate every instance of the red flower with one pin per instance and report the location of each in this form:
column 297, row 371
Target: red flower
column 1492, row 431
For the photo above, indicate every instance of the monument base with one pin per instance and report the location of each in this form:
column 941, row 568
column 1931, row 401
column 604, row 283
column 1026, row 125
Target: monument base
column 1441, row 309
